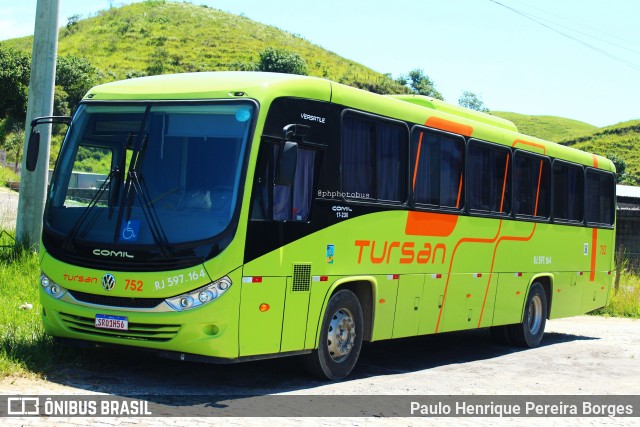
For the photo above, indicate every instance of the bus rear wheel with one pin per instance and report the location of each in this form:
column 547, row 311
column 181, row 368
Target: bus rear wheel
column 340, row 338
column 529, row 332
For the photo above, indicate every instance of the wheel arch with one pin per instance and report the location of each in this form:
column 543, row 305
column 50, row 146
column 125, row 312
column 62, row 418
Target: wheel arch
column 546, row 280
column 365, row 289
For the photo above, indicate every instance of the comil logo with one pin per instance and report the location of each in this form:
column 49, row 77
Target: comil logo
column 108, row 282
column 106, row 252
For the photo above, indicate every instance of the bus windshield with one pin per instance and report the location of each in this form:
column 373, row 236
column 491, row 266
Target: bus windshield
column 149, row 173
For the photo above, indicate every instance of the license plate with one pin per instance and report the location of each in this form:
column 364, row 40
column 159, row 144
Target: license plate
column 119, row 323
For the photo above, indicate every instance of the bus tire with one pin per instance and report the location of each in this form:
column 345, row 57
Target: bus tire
column 529, row 332
column 340, row 338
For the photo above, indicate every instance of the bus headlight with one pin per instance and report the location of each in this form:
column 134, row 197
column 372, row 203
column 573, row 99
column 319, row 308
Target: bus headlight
column 200, row 296
column 51, row 287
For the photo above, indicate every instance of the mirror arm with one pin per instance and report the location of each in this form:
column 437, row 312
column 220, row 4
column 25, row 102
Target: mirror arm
column 50, row 120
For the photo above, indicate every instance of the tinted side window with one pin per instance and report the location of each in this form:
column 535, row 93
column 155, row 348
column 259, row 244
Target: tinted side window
column 600, row 197
column 488, row 183
column 374, row 159
column 531, row 185
column 279, row 202
column 568, row 186
column 437, row 165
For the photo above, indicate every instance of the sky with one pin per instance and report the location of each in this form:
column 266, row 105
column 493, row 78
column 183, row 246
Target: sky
column 578, row 59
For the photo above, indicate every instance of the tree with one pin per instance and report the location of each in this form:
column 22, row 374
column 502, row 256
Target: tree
column 472, row 101
column 13, row 144
column 622, row 175
column 420, row 84
column 72, row 23
column 15, row 68
column 282, row 61
column 76, row 75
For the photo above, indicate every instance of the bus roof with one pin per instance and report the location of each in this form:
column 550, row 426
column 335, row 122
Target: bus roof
column 436, row 104
column 213, row 85
column 264, row 87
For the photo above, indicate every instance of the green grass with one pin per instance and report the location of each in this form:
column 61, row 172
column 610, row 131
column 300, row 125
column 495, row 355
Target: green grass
column 25, row 351
column 626, row 301
column 7, row 175
column 23, row 346
column 550, row 128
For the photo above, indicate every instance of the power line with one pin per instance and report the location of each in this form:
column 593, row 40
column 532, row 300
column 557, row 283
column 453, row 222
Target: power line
column 579, row 24
column 574, row 29
column 582, row 42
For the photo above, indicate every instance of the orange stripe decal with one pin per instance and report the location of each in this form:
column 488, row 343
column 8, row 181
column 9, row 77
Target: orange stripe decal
column 493, row 260
column 595, row 161
column 504, row 183
column 453, row 255
column 449, row 126
column 535, row 209
column 430, row 224
column 459, row 192
column 530, row 144
column 594, row 245
column 415, row 169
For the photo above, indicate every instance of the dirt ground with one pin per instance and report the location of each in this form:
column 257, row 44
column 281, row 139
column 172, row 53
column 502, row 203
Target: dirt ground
column 580, row 355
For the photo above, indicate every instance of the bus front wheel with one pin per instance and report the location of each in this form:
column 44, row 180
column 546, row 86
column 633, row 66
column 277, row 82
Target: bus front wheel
column 340, row 338
column 529, row 332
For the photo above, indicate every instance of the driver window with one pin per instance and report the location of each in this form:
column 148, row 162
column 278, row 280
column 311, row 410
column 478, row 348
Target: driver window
column 90, row 169
column 278, row 202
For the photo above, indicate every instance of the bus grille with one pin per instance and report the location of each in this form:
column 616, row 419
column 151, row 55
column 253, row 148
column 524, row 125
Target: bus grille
column 137, row 331
column 116, row 301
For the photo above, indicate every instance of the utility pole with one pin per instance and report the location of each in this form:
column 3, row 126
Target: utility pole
column 33, row 185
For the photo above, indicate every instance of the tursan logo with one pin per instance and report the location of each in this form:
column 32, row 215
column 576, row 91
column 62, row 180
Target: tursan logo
column 106, row 252
column 108, row 282
column 309, row 117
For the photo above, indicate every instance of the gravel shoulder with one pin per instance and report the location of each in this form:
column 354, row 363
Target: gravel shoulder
column 8, row 208
column 579, row 355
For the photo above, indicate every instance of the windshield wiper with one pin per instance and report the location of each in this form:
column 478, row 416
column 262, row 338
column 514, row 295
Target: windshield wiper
column 134, row 186
column 115, row 172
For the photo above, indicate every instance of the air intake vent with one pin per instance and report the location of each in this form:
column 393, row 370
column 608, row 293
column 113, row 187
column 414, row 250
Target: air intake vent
column 301, row 277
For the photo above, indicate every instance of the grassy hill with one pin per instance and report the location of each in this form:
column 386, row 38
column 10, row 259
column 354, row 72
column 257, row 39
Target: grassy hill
column 155, row 36
column 550, row 128
column 181, row 37
column 621, row 140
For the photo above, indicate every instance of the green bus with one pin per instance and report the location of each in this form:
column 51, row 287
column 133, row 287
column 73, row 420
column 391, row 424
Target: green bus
column 233, row 216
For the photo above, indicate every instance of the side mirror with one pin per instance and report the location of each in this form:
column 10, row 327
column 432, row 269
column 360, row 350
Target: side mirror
column 34, row 139
column 33, row 150
column 287, row 163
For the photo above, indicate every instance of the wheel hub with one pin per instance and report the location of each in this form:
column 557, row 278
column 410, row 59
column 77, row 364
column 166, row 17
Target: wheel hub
column 342, row 335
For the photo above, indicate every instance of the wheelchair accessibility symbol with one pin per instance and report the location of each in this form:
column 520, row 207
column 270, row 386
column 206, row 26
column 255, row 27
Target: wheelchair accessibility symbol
column 129, row 231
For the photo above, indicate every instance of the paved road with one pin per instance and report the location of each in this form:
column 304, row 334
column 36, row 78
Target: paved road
column 8, row 208
column 582, row 355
